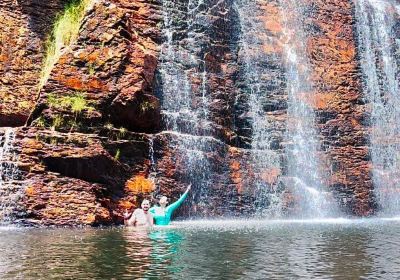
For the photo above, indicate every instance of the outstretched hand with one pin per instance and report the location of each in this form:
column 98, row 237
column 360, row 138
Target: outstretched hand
column 127, row 215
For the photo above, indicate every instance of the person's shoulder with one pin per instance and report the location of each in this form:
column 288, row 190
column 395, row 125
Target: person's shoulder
column 138, row 211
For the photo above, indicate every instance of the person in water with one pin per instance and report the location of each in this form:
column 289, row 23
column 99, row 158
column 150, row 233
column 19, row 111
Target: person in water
column 141, row 217
column 163, row 213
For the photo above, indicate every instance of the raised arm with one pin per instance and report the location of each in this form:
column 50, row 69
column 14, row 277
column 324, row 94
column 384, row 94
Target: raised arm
column 178, row 203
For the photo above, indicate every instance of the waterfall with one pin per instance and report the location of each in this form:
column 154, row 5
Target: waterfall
column 266, row 57
column 274, row 75
column 303, row 163
column 179, row 65
column 185, row 105
column 257, row 64
column 379, row 49
column 10, row 191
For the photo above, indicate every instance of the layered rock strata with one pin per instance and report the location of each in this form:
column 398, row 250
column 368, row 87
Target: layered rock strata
column 24, row 28
column 97, row 140
column 340, row 104
column 99, row 91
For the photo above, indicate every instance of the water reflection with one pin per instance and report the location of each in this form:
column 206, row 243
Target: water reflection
column 151, row 254
column 384, row 250
column 346, row 252
column 336, row 251
column 213, row 250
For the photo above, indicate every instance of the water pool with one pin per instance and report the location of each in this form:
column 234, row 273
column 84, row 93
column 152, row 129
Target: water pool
column 233, row 249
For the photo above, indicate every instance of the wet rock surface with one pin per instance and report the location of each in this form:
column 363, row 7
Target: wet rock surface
column 339, row 103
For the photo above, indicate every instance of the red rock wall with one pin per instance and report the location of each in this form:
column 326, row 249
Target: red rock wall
column 96, row 163
column 91, row 177
column 112, row 65
column 339, row 103
column 24, row 27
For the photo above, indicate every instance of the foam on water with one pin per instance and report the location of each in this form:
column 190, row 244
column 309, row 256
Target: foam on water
column 259, row 223
column 10, row 228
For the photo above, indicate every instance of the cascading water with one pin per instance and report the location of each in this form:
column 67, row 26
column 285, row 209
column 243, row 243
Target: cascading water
column 10, row 192
column 265, row 161
column 262, row 69
column 178, row 67
column 184, row 106
column 188, row 120
column 304, row 174
column 379, row 48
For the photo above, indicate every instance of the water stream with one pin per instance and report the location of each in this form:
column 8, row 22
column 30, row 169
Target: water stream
column 257, row 64
column 304, row 173
column 10, row 190
column 184, row 104
column 379, row 48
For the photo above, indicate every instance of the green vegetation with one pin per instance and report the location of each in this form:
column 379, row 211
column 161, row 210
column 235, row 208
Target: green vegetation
column 122, row 132
column 65, row 32
column 117, row 154
column 24, row 104
column 91, row 68
column 145, row 106
column 37, row 137
column 76, row 103
column 115, row 133
column 54, row 141
column 40, row 122
column 109, row 126
column 57, row 122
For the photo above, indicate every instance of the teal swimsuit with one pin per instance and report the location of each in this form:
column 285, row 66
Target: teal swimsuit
column 163, row 220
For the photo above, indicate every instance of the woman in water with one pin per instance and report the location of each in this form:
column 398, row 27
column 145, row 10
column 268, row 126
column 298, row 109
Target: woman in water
column 162, row 214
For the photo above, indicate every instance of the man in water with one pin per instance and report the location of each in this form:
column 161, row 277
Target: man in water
column 141, row 217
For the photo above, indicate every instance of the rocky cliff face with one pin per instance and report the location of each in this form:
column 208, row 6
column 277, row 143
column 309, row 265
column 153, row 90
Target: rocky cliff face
column 339, row 103
column 81, row 162
column 99, row 135
column 24, row 27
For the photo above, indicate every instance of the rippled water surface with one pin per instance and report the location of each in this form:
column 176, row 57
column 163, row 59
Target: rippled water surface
column 324, row 249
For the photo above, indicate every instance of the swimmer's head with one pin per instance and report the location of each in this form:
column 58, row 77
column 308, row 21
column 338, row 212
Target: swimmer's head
column 163, row 201
column 145, row 205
